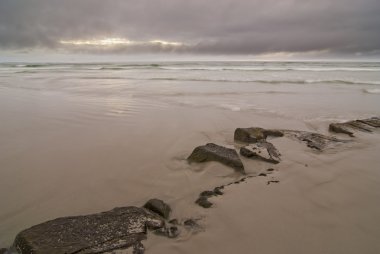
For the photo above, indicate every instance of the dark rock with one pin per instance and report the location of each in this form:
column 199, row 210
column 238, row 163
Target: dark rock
column 249, row 135
column 117, row 229
column 315, row 140
column 374, row 122
column 365, row 125
column 272, row 181
column 170, row 232
column 262, row 174
column 359, row 126
column 270, row 169
column 244, row 151
column 340, row 128
column 212, row 152
column 158, row 206
column 217, row 191
column 207, row 194
column 174, row 222
column 3, row 251
column 262, row 150
column 203, row 202
column 138, row 248
column 191, row 223
column 255, row 134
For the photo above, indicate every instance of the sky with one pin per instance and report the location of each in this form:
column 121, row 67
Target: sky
column 266, row 28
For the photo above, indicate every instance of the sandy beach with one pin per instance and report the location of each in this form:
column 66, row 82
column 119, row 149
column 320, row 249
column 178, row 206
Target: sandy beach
column 78, row 140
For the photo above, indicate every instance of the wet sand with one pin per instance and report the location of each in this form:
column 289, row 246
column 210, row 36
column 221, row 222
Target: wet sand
column 69, row 152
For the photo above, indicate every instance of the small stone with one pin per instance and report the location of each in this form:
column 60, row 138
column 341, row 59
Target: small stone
column 138, row 248
column 217, row 191
column 191, row 223
column 203, row 202
column 159, row 207
column 270, row 169
column 272, row 181
column 262, row 174
column 207, row 194
column 174, row 222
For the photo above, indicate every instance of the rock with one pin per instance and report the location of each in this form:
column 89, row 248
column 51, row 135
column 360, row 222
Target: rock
column 207, row 194
column 174, row 222
column 374, row 122
column 203, row 202
column 3, row 251
column 191, row 223
column 365, row 125
column 359, row 126
column 270, row 169
column 159, row 207
column 213, row 152
column 262, row 150
column 255, row 134
column 272, row 181
column 218, row 190
column 340, row 128
column 262, row 174
column 315, row 140
column 117, row 229
column 170, row 232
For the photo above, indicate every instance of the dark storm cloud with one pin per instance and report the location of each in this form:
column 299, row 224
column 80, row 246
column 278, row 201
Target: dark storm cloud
column 212, row 26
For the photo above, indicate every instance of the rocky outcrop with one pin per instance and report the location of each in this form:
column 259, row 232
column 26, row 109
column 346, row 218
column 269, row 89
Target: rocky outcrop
column 213, row 152
column 120, row 228
column 159, row 207
column 364, row 125
column 315, row 140
column 262, row 150
column 255, row 134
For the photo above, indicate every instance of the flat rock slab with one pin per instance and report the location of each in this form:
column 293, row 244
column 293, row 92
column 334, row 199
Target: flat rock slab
column 213, row 152
column 364, row 125
column 117, row 229
column 263, row 151
column 255, row 134
column 315, row 140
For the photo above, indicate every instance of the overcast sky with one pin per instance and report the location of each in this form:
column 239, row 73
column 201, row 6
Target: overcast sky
column 214, row 27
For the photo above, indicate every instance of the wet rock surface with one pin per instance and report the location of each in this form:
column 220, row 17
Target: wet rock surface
column 159, row 207
column 262, row 150
column 255, row 134
column 120, row 228
column 213, row 152
column 363, row 125
column 315, row 140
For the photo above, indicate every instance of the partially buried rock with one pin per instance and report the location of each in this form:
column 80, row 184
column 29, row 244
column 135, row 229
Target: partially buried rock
column 364, row 125
column 262, row 150
column 170, row 231
column 203, row 202
column 213, row 152
column 255, row 134
column 159, row 207
column 118, row 229
column 315, row 140
column 374, row 122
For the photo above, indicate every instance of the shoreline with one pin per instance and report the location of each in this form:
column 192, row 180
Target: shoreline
column 292, row 179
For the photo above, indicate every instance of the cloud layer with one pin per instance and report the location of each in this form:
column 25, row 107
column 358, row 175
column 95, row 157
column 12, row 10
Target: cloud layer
column 203, row 27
